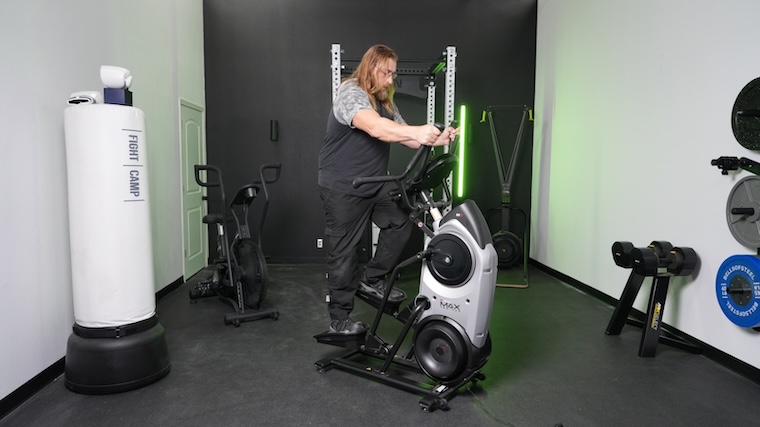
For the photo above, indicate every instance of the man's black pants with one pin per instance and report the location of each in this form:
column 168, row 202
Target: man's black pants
column 347, row 217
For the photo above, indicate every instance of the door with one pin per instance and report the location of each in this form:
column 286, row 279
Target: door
column 195, row 233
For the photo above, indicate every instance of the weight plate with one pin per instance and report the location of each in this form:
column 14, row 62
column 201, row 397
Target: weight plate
column 737, row 287
column 745, row 227
column 745, row 116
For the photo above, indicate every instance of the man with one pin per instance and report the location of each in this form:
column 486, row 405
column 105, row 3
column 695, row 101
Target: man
column 362, row 124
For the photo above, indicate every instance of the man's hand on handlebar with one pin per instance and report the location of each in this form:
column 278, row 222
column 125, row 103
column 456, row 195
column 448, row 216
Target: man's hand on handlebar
column 433, row 136
column 447, row 136
column 428, row 134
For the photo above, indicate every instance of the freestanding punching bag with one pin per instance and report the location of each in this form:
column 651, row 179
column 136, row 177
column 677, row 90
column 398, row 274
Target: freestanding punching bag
column 117, row 343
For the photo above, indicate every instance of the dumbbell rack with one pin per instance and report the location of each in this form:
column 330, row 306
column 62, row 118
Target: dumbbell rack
column 660, row 261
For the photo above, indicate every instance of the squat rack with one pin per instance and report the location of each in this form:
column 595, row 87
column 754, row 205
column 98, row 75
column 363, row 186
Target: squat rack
column 445, row 63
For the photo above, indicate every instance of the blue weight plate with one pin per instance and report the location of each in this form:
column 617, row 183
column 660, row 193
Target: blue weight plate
column 737, row 287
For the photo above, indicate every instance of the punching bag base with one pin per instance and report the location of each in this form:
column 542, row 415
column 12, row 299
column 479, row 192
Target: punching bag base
column 115, row 365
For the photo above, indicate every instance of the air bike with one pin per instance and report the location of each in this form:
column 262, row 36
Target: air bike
column 239, row 275
column 449, row 317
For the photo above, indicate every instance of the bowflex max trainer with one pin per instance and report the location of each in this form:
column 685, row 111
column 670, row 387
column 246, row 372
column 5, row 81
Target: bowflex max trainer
column 240, row 271
column 451, row 314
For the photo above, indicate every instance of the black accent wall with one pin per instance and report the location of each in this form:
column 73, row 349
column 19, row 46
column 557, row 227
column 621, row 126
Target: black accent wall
column 270, row 60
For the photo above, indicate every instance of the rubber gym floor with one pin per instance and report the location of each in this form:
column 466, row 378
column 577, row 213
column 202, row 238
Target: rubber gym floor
column 551, row 364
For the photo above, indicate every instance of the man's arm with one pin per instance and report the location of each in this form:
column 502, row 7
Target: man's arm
column 389, row 131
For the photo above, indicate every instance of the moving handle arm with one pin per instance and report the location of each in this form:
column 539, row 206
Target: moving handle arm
column 423, row 151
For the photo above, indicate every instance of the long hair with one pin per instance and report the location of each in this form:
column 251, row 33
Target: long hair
column 374, row 56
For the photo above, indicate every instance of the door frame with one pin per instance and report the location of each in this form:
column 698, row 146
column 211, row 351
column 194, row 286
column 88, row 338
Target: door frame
column 204, row 236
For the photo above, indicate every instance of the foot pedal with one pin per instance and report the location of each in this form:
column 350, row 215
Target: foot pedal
column 354, row 341
column 390, row 307
column 404, row 314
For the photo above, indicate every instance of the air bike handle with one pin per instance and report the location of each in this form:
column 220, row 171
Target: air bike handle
column 270, row 166
column 207, row 183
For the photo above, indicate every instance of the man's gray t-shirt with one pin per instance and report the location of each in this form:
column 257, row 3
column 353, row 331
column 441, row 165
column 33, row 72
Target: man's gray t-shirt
column 349, row 152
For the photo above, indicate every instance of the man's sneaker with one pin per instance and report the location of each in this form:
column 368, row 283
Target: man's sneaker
column 376, row 290
column 346, row 327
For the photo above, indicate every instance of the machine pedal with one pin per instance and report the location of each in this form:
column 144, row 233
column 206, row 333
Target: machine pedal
column 353, row 341
column 390, row 308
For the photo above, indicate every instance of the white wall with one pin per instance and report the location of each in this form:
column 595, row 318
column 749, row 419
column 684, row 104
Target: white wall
column 49, row 50
column 633, row 100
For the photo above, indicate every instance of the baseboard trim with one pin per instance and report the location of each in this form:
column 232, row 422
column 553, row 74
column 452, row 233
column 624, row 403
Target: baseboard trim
column 23, row 393
column 724, row 359
column 170, row 288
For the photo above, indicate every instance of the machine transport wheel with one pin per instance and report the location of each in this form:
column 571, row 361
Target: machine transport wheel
column 431, row 403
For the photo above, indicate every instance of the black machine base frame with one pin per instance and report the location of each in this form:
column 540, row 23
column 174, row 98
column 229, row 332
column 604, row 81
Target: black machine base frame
column 435, row 394
column 369, row 345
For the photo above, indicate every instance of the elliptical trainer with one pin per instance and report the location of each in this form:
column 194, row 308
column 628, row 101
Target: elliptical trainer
column 240, row 272
column 451, row 313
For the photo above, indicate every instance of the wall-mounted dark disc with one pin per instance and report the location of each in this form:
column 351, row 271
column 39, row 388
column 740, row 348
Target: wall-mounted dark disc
column 745, row 116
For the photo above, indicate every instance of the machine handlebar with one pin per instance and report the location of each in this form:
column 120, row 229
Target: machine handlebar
column 422, row 152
